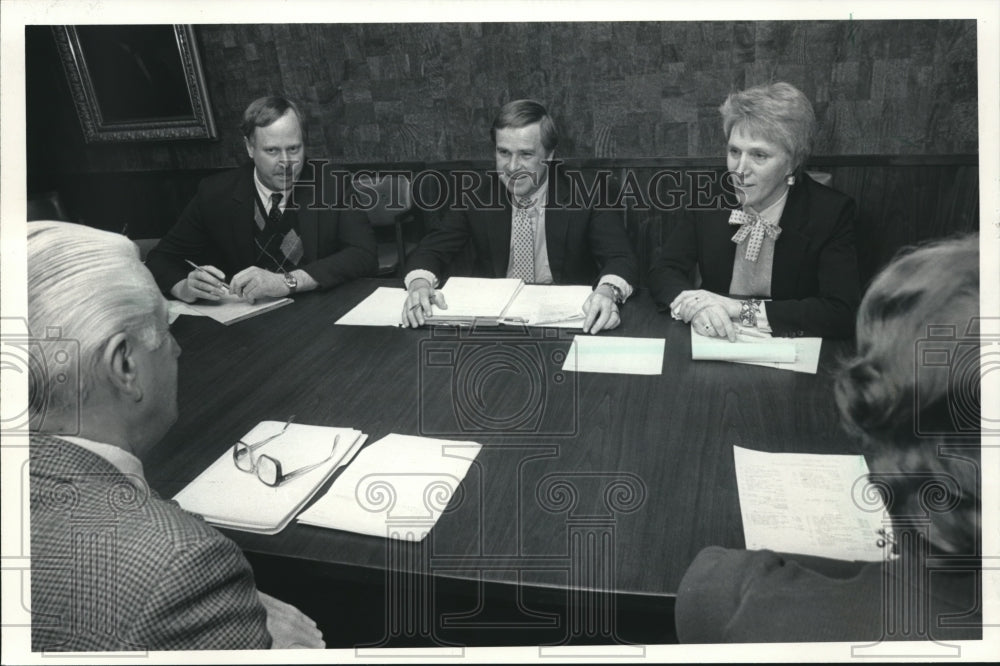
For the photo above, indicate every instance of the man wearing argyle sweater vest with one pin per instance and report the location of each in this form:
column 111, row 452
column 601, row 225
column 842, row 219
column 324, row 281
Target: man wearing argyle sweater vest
column 255, row 228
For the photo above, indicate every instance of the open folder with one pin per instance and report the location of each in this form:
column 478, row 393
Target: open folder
column 510, row 301
column 229, row 497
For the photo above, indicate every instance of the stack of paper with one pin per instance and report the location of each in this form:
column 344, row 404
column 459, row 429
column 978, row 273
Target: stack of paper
column 229, row 497
column 810, row 504
column 397, row 488
column 227, row 310
column 472, row 298
column 559, row 306
column 797, row 354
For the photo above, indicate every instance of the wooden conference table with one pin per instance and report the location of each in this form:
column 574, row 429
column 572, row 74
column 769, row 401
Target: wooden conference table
column 590, row 497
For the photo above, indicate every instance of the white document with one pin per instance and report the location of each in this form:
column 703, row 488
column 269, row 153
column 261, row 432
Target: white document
column 229, row 497
column 806, row 357
column 746, row 348
column 558, row 306
column 626, row 356
column 383, row 307
column 476, row 297
column 177, row 308
column 809, row 504
column 231, row 309
column 396, row 488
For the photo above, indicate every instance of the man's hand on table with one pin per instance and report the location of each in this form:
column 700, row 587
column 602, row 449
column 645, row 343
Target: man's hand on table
column 419, row 299
column 600, row 310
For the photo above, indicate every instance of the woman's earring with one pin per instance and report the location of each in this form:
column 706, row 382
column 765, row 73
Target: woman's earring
column 790, row 180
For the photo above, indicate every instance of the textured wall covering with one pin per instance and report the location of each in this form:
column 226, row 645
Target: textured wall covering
column 391, row 92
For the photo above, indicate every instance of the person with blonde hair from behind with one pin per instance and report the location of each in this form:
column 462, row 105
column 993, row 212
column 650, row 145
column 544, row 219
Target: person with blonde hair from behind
column 114, row 567
column 911, row 394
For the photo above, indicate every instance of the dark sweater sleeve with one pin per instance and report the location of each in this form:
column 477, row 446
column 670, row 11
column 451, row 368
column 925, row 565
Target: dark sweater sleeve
column 352, row 254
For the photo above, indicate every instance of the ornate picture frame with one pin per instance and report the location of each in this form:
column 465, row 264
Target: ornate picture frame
column 136, row 82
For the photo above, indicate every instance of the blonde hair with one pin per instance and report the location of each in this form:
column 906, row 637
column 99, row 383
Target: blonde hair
column 84, row 286
column 778, row 112
column 904, row 408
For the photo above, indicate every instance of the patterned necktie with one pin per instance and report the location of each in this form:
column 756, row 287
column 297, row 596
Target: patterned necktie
column 522, row 249
column 281, row 244
column 753, row 230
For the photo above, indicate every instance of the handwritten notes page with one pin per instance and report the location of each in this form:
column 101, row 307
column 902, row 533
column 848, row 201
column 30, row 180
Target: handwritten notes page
column 396, row 488
column 626, row 356
column 810, row 504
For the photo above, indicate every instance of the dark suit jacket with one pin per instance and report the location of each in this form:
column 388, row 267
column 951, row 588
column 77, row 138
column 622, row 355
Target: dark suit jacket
column 115, row 568
column 583, row 244
column 747, row 596
column 217, row 228
column 814, row 284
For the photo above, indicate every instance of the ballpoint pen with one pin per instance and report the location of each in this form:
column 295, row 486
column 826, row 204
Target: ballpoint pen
column 197, row 267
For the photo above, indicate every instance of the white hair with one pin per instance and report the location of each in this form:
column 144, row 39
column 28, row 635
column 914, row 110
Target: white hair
column 84, row 286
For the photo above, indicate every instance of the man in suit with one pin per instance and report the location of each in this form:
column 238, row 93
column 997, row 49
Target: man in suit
column 253, row 223
column 533, row 235
column 115, row 566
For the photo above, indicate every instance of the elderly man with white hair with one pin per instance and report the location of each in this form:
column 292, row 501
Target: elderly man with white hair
column 115, row 566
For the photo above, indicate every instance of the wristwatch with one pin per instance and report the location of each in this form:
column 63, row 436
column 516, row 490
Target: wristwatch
column 291, row 283
column 618, row 297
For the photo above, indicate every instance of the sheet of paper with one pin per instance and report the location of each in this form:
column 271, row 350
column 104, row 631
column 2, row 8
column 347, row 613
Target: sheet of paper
column 396, row 488
column 383, row 307
column 231, row 309
column 476, row 297
column 227, row 496
column 177, row 308
column 626, row 356
column 746, row 348
column 806, row 357
column 806, row 503
column 559, row 306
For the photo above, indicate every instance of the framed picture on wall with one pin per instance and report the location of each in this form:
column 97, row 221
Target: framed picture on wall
column 136, row 82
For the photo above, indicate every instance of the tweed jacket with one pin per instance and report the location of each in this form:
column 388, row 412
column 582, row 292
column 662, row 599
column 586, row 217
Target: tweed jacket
column 116, row 567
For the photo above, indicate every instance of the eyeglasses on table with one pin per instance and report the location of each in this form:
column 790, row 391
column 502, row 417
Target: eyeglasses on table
column 267, row 468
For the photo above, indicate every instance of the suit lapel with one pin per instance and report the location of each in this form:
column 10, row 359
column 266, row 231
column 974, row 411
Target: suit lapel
column 791, row 244
column 498, row 224
column 556, row 229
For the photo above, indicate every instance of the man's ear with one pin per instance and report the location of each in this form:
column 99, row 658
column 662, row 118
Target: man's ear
column 248, row 144
column 119, row 364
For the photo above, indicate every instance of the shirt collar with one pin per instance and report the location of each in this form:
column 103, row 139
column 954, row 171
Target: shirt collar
column 540, row 197
column 123, row 461
column 265, row 193
column 772, row 214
